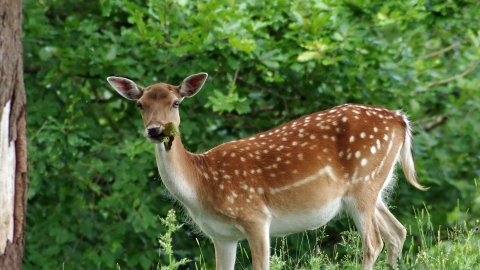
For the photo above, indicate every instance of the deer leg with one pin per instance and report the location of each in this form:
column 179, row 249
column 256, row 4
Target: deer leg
column 392, row 232
column 225, row 253
column 259, row 241
column 366, row 224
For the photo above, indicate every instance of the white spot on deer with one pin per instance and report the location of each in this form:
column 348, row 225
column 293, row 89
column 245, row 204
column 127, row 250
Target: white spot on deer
column 243, row 159
column 338, row 130
column 234, row 194
column 357, row 154
column 206, row 175
column 304, row 144
column 273, row 175
column 226, row 176
column 385, row 137
column 252, row 138
column 275, row 165
column 244, row 186
column 370, row 136
column 352, row 138
column 363, row 162
column 245, row 173
column 252, row 189
column 232, row 154
column 334, row 123
column 252, row 171
column 340, row 154
column 284, row 139
column 387, row 128
column 300, row 156
column 294, row 143
column 221, row 186
column 312, row 137
column 362, row 135
column 294, row 171
column 344, row 119
column 333, row 138
column 259, row 170
column 260, row 190
column 325, row 150
column 230, row 199
column 355, row 111
column 367, row 177
column 224, row 153
column 375, row 129
column 373, row 149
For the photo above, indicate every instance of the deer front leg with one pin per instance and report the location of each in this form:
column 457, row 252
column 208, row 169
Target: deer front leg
column 225, row 253
column 259, row 241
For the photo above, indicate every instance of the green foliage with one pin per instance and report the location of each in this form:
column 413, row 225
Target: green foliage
column 94, row 190
column 165, row 242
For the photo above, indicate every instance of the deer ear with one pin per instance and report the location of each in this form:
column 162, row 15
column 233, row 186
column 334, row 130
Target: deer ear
column 192, row 84
column 125, row 87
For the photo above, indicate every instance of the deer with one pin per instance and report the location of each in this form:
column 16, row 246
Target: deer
column 291, row 178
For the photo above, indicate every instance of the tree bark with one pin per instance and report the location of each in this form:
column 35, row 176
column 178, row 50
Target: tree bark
column 13, row 137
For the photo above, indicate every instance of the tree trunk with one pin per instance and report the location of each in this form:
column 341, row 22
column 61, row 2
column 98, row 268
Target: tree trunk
column 13, row 137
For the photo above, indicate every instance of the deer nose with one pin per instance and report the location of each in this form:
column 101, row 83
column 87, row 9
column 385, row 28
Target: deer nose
column 154, row 131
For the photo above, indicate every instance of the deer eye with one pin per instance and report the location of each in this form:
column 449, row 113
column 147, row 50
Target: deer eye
column 176, row 103
column 139, row 106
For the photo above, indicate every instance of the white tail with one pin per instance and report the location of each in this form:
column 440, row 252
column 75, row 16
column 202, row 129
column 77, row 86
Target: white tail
column 291, row 178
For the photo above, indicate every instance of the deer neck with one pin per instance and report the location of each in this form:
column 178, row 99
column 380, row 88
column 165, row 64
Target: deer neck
column 176, row 167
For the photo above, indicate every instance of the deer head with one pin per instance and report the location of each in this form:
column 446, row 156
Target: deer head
column 158, row 103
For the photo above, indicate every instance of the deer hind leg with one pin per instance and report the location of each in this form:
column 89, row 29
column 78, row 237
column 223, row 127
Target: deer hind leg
column 392, row 232
column 364, row 217
column 225, row 253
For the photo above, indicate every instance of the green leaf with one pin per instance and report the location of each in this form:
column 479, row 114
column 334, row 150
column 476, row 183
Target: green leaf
column 307, row 56
column 112, row 53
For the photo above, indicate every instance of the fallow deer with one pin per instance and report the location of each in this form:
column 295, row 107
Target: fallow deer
column 294, row 177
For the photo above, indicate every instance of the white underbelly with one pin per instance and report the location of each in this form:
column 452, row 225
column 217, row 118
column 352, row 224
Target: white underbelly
column 282, row 224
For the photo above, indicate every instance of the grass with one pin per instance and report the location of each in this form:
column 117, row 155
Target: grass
column 453, row 248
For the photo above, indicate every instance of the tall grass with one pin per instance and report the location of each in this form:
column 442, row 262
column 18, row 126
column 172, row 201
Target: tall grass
column 435, row 248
